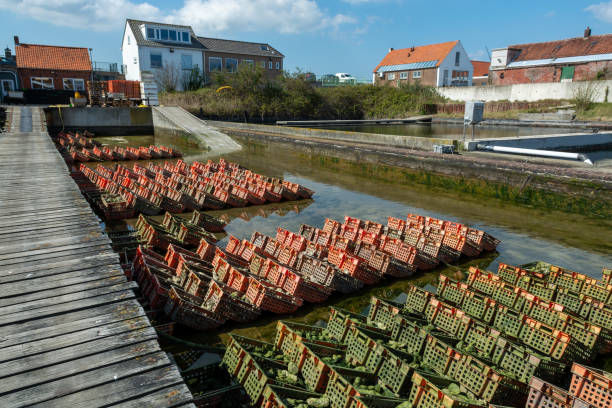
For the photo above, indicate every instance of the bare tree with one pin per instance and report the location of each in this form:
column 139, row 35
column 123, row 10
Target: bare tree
column 168, row 77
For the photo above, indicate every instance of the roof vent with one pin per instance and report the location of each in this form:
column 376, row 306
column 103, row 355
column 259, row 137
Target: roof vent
column 390, row 49
column 16, row 38
column 587, row 32
column 412, row 48
column 7, row 53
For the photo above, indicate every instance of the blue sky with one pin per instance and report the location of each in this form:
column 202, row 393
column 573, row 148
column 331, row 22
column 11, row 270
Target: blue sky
column 315, row 35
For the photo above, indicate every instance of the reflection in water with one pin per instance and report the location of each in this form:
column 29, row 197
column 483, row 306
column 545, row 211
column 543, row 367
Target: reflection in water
column 450, row 130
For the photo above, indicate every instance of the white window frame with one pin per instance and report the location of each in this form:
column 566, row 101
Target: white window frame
column 390, row 76
column 277, row 64
column 210, row 59
column 38, row 79
column 270, row 65
column 73, row 82
column 183, row 65
column 249, row 62
column 403, row 75
column 161, row 58
column 417, row 74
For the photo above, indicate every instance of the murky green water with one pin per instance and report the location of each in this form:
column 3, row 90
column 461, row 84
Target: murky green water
column 449, row 130
column 568, row 240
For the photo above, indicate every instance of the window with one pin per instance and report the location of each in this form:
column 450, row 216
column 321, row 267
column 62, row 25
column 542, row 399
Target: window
column 128, row 39
column 248, row 62
column 135, row 60
column 41, row 83
column 567, row 74
column 277, row 65
column 215, row 64
column 151, row 33
column 172, row 35
column 156, row 61
column 457, row 58
column 185, row 35
column 269, row 64
column 403, row 75
column 263, row 64
column 231, row 65
column 264, row 47
column 163, row 34
column 416, row 74
column 391, row 75
column 74, row 84
column 187, row 61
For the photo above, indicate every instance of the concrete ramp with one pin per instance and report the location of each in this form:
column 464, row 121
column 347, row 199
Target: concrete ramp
column 176, row 119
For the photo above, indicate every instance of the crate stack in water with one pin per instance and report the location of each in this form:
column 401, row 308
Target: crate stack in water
column 202, row 285
column 450, row 348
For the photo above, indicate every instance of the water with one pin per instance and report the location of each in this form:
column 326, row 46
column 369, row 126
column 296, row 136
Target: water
column 568, row 240
column 450, row 130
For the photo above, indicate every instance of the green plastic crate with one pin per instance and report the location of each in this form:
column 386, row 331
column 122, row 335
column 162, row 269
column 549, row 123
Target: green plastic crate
column 346, row 383
column 382, row 312
column 429, row 391
column 451, row 320
column 451, row 290
column 417, row 299
column 598, row 290
column 360, row 344
column 341, row 320
column 283, row 397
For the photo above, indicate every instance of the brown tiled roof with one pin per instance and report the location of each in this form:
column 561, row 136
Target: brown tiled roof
column 52, row 57
column 423, row 53
column 596, row 44
column 481, row 68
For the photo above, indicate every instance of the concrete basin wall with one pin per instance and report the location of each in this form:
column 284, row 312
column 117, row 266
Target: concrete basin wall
column 571, row 141
column 410, row 142
column 101, row 121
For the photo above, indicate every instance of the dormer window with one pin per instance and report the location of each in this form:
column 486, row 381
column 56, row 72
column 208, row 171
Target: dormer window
column 264, row 47
column 166, row 34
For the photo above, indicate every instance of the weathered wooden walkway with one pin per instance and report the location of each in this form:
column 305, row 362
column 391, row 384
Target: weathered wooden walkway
column 71, row 331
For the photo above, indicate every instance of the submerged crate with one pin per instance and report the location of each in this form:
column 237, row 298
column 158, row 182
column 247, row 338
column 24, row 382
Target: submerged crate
column 417, row 299
column 430, row 391
column 383, row 312
column 592, row 385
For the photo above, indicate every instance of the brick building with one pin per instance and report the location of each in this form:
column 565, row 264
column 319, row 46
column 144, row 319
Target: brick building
column 574, row 59
column 481, row 73
column 52, row 68
column 444, row 64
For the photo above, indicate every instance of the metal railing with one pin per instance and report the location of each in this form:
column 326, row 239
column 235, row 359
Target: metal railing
column 108, row 67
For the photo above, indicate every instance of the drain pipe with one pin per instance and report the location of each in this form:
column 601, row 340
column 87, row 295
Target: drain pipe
column 535, row 152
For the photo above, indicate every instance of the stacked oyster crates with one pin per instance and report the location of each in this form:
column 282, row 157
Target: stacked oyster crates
column 485, row 342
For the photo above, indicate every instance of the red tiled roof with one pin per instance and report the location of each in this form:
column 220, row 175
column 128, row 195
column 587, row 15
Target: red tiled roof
column 422, row 53
column 481, row 68
column 596, row 44
column 52, row 57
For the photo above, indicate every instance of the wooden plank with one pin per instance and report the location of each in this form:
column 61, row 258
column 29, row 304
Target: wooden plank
column 119, row 286
column 40, row 235
column 119, row 390
column 70, row 253
column 176, row 395
column 70, row 377
column 66, row 307
column 89, row 221
column 78, row 285
column 69, row 322
column 39, row 243
column 55, row 266
column 42, row 353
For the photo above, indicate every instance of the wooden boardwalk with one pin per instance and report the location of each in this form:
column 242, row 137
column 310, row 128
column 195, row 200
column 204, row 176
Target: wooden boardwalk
column 72, row 333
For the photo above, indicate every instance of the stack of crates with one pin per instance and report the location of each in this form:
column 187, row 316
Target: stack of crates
column 417, row 300
column 289, row 335
column 314, row 362
column 431, row 391
column 340, row 321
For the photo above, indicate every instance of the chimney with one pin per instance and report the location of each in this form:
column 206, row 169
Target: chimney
column 390, row 49
column 16, row 38
column 412, row 48
column 7, row 53
column 587, row 32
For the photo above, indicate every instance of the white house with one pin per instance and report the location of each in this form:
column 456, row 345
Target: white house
column 160, row 48
column 444, row 64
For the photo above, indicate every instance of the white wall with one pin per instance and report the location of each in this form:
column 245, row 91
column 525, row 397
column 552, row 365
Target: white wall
column 128, row 53
column 526, row 92
column 173, row 58
column 449, row 64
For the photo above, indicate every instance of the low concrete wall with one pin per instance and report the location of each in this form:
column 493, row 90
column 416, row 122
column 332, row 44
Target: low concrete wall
column 526, row 92
column 571, row 141
column 101, row 121
column 410, row 142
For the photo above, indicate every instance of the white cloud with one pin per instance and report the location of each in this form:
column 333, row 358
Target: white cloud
column 601, row 11
column 206, row 16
